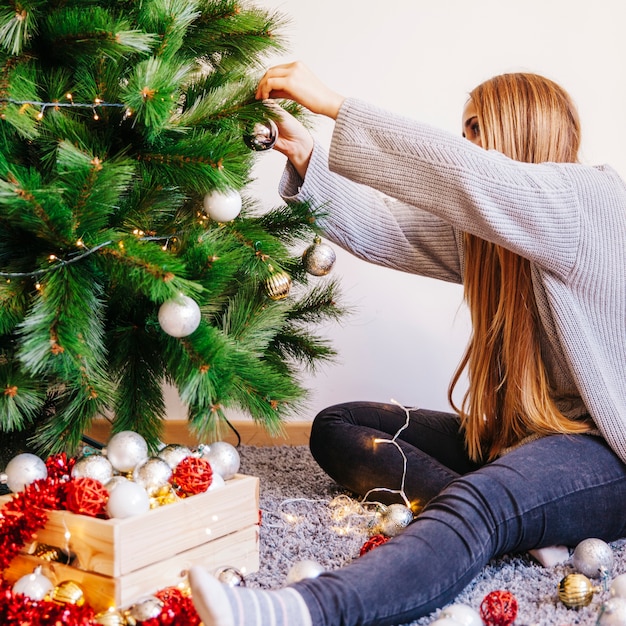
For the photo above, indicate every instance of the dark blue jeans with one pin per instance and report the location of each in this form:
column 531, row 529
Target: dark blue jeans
column 554, row 490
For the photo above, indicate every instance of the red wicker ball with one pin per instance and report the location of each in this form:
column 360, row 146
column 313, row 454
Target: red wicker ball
column 373, row 542
column 498, row 608
column 86, row 496
column 192, row 475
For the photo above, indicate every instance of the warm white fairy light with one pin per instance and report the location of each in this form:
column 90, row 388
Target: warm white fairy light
column 94, row 106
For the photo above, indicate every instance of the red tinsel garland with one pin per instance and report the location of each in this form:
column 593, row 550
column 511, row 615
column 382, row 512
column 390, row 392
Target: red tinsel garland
column 498, row 608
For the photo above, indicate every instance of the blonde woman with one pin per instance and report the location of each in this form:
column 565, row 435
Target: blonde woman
column 536, row 449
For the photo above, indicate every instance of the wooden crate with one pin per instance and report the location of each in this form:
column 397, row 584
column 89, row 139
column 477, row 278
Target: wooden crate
column 118, row 561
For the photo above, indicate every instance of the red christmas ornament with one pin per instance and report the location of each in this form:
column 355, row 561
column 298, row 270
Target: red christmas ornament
column 87, row 496
column 498, row 608
column 192, row 475
column 373, row 542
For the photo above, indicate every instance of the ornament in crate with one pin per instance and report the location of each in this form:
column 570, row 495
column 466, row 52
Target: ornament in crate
column 116, row 543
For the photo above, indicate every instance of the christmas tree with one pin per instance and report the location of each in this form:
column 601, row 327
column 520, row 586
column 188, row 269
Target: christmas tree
column 128, row 131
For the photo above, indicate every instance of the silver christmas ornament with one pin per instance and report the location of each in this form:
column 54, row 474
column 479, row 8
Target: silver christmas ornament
column 93, row 466
column 593, row 558
column 180, row 316
column 153, row 474
column 148, row 608
column 125, row 450
column 318, row 258
column 303, row 569
column 230, row 576
column 394, row 519
column 223, row 457
column 173, row 454
column 613, row 612
column 22, row 470
column 262, row 136
column 618, row 586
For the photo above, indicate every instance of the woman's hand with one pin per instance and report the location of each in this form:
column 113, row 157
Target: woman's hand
column 294, row 81
column 294, row 140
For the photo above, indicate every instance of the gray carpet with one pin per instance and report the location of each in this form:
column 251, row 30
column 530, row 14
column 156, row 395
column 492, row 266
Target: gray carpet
column 297, row 525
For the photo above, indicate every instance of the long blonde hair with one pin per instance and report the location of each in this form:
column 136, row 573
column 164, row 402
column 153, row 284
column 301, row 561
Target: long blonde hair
column 528, row 118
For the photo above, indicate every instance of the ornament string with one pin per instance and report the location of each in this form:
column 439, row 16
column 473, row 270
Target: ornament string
column 393, row 441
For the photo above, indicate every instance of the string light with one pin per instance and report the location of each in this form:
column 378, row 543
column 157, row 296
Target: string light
column 97, row 103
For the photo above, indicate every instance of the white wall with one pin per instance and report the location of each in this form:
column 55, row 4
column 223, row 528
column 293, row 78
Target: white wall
column 420, row 58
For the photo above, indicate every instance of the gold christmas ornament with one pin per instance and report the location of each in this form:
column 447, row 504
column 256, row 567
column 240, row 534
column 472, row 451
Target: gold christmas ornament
column 68, row 592
column 278, row 285
column 164, row 495
column 576, row 590
column 318, row 258
column 52, row 554
column 110, row 618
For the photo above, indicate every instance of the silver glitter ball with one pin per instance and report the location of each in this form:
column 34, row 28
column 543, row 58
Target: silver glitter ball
column 230, row 576
column 593, row 558
column 262, row 136
column 223, row 457
column 148, row 608
column 318, row 258
column 126, row 450
column 394, row 519
column 174, row 453
column 153, row 474
column 93, row 466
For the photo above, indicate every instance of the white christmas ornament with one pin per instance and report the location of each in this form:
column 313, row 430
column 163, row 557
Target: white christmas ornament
column 462, row 614
column 173, row 454
column 618, row 586
column 223, row 457
column 125, row 450
column 303, row 569
column 22, row 470
column 35, row 586
column 180, row 316
column 613, row 612
column 216, row 482
column 127, row 499
column 93, row 466
column 593, row 557
column 153, row 474
column 222, row 206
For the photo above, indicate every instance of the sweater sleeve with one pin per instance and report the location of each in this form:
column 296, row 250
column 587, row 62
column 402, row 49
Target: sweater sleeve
column 373, row 226
column 531, row 209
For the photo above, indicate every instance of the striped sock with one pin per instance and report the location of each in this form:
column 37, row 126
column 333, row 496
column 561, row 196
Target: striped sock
column 221, row 605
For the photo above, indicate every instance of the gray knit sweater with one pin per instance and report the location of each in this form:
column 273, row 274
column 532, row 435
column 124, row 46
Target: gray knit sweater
column 401, row 194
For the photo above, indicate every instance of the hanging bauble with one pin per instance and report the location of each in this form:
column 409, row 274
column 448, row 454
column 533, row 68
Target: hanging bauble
column 35, row 586
column 192, row 475
column 462, row 614
column 180, row 316
column 498, row 608
column 593, row 558
column 394, row 519
column 278, row 285
column 146, row 609
column 230, row 576
column 576, row 590
column 68, row 592
column 173, row 454
column 223, row 457
column 93, row 466
column 262, row 136
column 22, row 470
column 303, row 569
column 318, row 258
column 128, row 499
column 153, row 474
column 618, row 586
column 86, row 496
column 222, row 206
column 111, row 617
column 612, row 612
column 125, row 450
